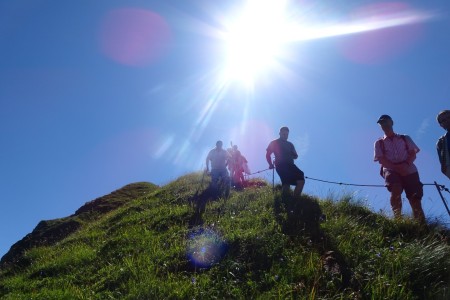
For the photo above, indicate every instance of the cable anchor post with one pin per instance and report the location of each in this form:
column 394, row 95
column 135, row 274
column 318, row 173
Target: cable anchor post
column 438, row 187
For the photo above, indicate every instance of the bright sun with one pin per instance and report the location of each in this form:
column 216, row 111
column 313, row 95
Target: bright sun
column 255, row 40
column 258, row 36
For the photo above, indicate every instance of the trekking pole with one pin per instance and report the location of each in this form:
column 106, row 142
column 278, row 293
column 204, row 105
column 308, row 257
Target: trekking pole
column 201, row 182
column 438, row 187
column 273, row 179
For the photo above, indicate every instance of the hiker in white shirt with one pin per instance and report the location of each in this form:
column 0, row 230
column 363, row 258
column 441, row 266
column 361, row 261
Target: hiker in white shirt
column 219, row 160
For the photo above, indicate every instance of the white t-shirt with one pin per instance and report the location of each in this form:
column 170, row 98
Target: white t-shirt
column 218, row 158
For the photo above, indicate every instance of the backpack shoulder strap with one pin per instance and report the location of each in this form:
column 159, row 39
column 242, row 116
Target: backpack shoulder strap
column 403, row 136
column 381, row 141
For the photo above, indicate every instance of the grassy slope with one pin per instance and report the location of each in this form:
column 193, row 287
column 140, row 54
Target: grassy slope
column 251, row 245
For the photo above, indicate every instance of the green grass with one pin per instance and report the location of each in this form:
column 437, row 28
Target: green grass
column 173, row 244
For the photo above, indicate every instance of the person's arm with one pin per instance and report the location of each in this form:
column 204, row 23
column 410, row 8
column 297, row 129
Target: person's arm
column 227, row 158
column 207, row 162
column 439, row 148
column 386, row 163
column 294, row 153
column 269, row 158
column 412, row 150
column 402, row 168
column 411, row 157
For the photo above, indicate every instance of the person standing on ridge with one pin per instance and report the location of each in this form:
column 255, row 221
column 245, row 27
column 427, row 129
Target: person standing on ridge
column 443, row 144
column 396, row 154
column 219, row 160
column 285, row 154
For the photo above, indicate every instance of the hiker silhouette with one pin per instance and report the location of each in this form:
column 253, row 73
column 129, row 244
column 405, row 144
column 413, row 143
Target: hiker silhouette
column 220, row 179
column 237, row 167
column 285, row 154
column 443, row 144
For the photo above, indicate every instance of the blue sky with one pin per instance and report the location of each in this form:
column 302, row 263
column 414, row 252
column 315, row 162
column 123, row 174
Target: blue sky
column 98, row 94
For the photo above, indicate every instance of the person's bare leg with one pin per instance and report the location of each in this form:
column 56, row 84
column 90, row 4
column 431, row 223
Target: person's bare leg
column 299, row 188
column 285, row 189
column 416, row 205
column 396, row 200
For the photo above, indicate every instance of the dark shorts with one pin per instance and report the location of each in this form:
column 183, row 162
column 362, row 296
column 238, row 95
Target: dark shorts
column 217, row 174
column 410, row 183
column 289, row 174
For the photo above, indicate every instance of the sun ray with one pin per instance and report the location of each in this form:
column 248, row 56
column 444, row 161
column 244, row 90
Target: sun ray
column 256, row 37
column 300, row 33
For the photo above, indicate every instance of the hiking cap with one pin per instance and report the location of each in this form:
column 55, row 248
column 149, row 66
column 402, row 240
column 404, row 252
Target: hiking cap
column 384, row 118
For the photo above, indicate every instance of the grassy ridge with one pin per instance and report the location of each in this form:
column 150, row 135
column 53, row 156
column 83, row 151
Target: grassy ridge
column 255, row 244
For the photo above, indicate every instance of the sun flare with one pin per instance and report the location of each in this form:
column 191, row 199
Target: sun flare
column 255, row 40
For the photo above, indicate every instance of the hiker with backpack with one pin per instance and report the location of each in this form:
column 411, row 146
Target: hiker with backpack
column 285, row 154
column 219, row 159
column 443, row 144
column 396, row 154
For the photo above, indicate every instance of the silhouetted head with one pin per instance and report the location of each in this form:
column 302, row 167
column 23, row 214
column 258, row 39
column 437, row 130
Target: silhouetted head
column 284, row 133
column 219, row 144
column 386, row 123
column 443, row 119
column 384, row 118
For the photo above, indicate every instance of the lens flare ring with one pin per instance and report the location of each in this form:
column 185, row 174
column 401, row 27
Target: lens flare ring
column 205, row 248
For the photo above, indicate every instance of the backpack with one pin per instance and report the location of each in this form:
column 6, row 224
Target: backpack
column 383, row 150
